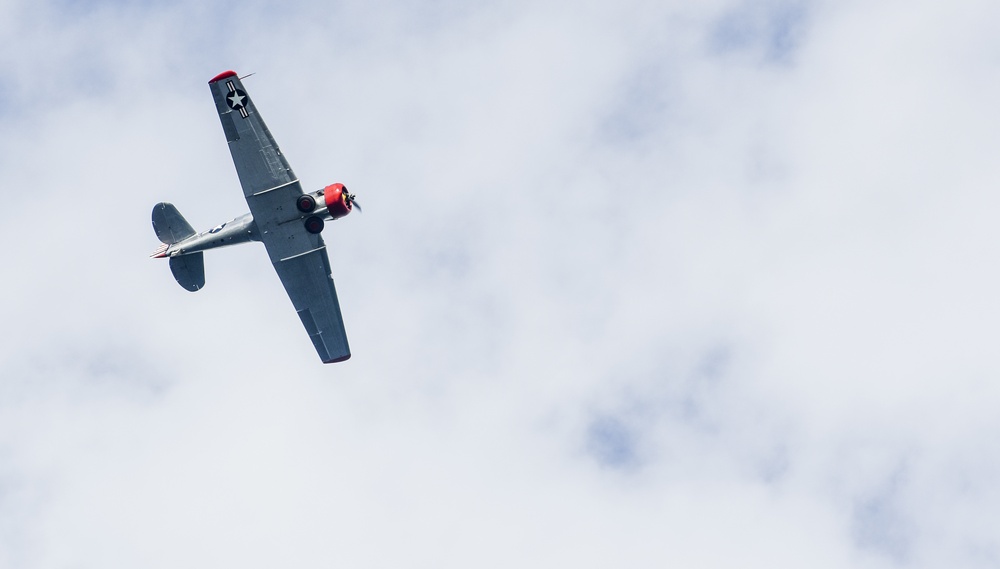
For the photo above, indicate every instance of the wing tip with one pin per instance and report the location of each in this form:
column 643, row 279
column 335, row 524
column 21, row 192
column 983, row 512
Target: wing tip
column 222, row 76
column 338, row 360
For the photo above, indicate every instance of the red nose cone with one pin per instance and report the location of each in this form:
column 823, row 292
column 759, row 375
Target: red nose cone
column 336, row 201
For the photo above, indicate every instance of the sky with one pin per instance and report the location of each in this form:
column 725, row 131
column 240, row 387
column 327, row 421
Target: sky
column 637, row 284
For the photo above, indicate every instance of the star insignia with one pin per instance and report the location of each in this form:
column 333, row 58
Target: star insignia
column 237, row 99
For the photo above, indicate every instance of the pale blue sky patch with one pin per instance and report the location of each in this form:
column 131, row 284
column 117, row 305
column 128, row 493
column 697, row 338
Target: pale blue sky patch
column 77, row 8
column 441, row 248
column 85, row 369
column 449, row 261
column 434, row 16
column 714, row 364
column 984, row 554
column 773, row 29
column 8, row 105
column 21, row 498
column 122, row 369
column 89, row 79
column 643, row 99
column 775, row 465
column 879, row 521
column 678, row 402
column 696, row 398
column 612, row 442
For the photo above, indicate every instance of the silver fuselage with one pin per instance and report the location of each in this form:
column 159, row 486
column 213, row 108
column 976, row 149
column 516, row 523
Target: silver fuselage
column 240, row 230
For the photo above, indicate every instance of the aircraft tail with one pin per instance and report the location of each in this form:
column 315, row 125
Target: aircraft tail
column 171, row 227
column 189, row 270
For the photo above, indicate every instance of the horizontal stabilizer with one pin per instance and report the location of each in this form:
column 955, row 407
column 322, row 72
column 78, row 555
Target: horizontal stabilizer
column 189, row 270
column 169, row 225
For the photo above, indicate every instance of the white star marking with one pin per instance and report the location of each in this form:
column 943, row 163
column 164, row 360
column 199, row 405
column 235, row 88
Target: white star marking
column 236, row 99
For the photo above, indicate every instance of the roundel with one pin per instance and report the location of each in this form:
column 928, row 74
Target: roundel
column 236, row 99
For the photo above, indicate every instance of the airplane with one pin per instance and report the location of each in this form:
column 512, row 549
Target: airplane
column 285, row 218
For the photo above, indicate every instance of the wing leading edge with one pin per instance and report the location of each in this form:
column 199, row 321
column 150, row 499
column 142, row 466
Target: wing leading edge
column 271, row 188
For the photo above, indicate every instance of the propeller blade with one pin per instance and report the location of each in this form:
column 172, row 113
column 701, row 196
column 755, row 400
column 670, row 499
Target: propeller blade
column 354, row 203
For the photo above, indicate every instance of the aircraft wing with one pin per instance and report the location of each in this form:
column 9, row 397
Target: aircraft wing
column 271, row 188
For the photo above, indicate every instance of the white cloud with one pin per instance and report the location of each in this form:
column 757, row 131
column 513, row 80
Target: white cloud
column 636, row 284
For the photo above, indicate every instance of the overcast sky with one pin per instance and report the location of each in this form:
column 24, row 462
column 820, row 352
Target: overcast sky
column 638, row 284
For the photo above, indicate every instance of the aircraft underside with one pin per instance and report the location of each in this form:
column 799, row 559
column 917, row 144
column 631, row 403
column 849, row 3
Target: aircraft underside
column 285, row 219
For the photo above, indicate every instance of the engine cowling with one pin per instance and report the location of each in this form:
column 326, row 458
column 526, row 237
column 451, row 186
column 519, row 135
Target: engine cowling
column 337, row 203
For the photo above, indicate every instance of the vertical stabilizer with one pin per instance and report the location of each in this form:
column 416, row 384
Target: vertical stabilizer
column 169, row 225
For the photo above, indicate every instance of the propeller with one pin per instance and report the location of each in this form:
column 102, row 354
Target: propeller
column 353, row 201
